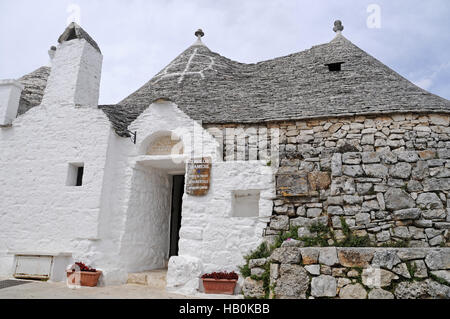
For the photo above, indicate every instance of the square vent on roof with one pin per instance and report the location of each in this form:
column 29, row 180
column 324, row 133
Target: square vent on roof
column 335, row 67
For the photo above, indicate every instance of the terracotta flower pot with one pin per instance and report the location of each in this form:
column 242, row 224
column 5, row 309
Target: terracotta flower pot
column 86, row 278
column 219, row 286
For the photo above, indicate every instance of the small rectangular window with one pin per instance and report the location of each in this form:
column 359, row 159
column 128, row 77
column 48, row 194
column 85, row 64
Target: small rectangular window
column 335, row 67
column 75, row 174
column 80, row 171
column 245, row 203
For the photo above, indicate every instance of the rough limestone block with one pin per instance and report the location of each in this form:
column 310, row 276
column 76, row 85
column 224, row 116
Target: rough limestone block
column 355, row 291
column 313, row 269
column 402, row 270
column 280, row 223
column 407, row 156
column 429, row 201
column 336, row 165
column 293, row 282
column 398, row 199
column 377, row 277
column 286, row 255
column 319, row 180
column 375, row 170
column 385, row 258
column 410, row 213
column 355, row 257
column 323, row 286
column 253, row 288
column 310, row 255
column 401, row 170
column 379, row 293
column 438, row 259
column 411, row 290
column 328, row 256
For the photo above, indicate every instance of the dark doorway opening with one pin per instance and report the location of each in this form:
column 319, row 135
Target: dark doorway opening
column 175, row 216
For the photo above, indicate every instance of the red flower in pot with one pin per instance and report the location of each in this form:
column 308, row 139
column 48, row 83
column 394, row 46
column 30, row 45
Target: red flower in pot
column 220, row 282
column 82, row 275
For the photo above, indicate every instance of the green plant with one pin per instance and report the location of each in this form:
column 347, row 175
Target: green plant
column 261, row 252
column 292, row 233
column 245, row 270
column 265, row 278
column 355, row 241
column 350, row 239
column 440, row 280
column 314, row 241
column 397, row 244
column 412, row 268
column 319, row 228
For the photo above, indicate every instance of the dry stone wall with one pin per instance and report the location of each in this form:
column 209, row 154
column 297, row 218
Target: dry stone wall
column 352, row 273
column 387, row 177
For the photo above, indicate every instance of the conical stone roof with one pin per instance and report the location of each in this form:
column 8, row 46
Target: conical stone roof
column 34, row 86
column 211, row 88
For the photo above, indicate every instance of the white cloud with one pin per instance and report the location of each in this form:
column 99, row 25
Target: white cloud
column 424, row 83
column 427, row 83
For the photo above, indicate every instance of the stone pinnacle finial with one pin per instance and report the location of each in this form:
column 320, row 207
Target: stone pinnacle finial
column 338, row 27
column 199, row 33
column 51, row 54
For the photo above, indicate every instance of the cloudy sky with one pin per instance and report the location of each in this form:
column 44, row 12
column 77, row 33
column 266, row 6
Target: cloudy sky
column 138, row 38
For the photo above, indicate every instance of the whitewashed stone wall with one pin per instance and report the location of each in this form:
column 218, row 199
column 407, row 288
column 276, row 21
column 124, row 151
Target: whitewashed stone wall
column 145, row 243
column 210, row 233
column 39, row 213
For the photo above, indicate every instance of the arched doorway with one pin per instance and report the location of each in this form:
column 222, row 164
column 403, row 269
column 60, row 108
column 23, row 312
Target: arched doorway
column 164, row 152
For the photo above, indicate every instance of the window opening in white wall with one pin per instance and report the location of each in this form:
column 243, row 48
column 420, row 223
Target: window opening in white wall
column 75, row 174
column 246, row 203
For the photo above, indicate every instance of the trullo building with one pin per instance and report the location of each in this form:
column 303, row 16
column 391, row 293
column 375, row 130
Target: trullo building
column 212, row 157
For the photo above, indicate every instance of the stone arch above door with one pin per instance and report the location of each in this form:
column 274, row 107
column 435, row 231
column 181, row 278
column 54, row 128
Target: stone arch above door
column 163, row 143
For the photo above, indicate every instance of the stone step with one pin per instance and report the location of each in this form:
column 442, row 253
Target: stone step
column 152, row 278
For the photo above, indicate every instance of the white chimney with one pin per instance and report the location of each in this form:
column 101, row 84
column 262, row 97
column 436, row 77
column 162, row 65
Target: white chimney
column 76, row 70
column 10, row 91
